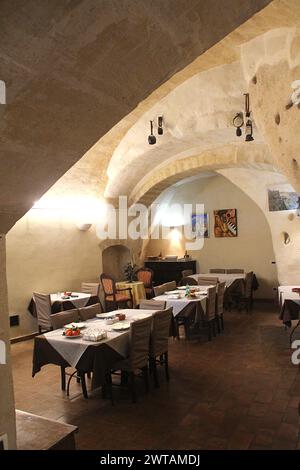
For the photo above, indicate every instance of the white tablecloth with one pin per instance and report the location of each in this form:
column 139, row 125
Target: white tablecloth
column 179, row 304
column 229, row 279
column 285, row 293
column 80, row 301
column 72, row 349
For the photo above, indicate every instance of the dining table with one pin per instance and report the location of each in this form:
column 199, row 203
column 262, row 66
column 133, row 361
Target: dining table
column 88, row 356
column 229, row 279
column 289, row 304
column 60, row 301
column 137, row 290
column 179, row 301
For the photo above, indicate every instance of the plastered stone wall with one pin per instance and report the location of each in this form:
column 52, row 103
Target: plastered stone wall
column 7, row 411
column 255, row 184
column 271, row 64
column 46, row 252
column 252, row 250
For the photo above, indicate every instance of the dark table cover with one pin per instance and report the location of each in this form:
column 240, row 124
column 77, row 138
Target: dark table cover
column 289, row 311
column 58, row 306
column 97, row 358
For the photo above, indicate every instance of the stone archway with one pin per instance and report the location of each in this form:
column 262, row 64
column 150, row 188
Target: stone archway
column 114, row 259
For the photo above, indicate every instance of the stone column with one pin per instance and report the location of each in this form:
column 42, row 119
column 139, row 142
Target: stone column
column 7, row 408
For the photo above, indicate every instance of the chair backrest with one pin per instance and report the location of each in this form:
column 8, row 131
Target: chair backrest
column 43, row 310
column 217, row 270
column 152, row 304
column 108, row 284
column 58, row 320
column 145, row 275
column 85, row 313
column 140, row 342
column 207, row 281
column 92, row 288
column 169, row 286
column 186, row 272
column 160, row 331
column 235, row 271
column 188, row 281
column 159, row 290
column 220, row 298
column 211, row 303
column 248, row 284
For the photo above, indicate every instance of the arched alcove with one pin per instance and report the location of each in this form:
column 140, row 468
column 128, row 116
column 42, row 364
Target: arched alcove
column 114, row 259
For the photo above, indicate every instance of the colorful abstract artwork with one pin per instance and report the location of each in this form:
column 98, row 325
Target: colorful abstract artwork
column 225, row 223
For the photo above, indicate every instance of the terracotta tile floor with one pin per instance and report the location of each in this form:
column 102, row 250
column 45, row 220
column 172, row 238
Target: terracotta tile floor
column 240, row 391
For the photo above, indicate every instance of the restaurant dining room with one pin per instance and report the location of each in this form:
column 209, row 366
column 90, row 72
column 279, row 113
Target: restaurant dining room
column 150, row 229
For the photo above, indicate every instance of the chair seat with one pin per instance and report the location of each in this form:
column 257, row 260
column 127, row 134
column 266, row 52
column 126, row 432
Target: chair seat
column 119, row 298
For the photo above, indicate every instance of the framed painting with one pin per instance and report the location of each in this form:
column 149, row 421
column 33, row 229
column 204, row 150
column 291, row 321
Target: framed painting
column 282, row 197
column 200, row 225
column 225, row 223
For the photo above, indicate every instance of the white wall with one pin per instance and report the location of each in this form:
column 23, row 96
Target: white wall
column 251, row 250
column 47, row 253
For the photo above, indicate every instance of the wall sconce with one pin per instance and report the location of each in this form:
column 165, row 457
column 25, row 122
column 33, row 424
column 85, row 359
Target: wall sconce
column 83, row 227
column 160, row 130
column 151, row 137
column 238, row 121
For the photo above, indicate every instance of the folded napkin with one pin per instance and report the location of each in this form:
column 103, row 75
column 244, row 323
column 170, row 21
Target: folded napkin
column 173, row 296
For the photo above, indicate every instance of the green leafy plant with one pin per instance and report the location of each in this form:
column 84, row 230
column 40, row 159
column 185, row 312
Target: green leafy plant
column 130, row 272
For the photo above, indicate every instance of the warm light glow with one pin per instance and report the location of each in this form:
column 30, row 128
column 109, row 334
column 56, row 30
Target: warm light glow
column 84, row 209
column 175, row 237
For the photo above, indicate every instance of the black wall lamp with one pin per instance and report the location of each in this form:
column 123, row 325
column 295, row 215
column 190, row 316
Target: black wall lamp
column 238, row 121
column 151, row 137
column 160, row 130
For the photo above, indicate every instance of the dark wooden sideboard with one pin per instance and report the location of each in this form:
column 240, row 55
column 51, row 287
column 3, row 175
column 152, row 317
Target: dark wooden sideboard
column 165, row 271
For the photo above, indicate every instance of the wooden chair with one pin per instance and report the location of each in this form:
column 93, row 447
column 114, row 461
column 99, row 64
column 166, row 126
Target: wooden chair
column 235, row 271
column 210, row 314
column 159, row 290
column 207, row 281
column 59, row 320
column 43, row 311
column 92, row 288
column 138, row 356
column 169, row 286
column 113, row 297
column 145, row 275
column 159, row 341
column 86, row 313
column 188, row 281
column 220, row 306
column 152, row 304
column 245, row 299
column 217, row 270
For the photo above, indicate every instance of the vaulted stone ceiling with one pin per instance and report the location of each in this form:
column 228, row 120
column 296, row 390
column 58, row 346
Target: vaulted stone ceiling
column 198, row 104
column 75, row 68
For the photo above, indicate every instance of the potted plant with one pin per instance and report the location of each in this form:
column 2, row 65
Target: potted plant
column 130, row 272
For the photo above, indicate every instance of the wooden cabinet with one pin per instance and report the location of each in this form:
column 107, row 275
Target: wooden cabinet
column 165, row 271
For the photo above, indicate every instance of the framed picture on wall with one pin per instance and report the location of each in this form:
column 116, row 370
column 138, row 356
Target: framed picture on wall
column 200, row 225
column 282, row 197
column 225, row 223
